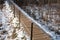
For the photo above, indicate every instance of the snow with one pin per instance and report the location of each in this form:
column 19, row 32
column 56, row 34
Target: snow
column 8, row 27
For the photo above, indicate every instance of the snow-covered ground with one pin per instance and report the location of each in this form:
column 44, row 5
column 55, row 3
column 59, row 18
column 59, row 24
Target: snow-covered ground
column 9, row 25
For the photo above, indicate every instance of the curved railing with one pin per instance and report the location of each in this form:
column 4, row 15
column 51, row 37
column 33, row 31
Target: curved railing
column 41, row 26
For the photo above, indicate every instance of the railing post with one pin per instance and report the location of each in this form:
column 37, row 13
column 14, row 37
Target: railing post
column 31, row 31
column 19, row 19
column 14, row 10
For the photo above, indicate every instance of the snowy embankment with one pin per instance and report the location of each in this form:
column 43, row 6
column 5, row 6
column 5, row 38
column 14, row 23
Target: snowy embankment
column 9, row 25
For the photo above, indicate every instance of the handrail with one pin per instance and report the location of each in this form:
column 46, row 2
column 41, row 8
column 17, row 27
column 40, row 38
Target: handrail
column 43, row 27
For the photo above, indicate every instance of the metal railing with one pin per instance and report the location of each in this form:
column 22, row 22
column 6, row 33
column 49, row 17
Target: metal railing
column 43, row 27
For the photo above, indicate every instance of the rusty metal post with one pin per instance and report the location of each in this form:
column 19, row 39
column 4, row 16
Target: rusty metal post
column 31, row 31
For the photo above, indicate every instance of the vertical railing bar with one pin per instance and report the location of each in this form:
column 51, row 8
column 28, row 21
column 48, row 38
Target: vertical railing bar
column 14, row 10
column 31, row 31
column 19, row 19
